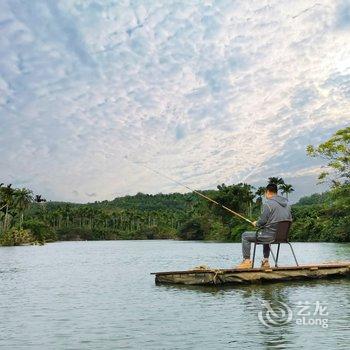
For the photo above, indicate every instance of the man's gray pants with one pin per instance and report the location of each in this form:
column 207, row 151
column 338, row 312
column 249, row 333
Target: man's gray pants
column 250, row 236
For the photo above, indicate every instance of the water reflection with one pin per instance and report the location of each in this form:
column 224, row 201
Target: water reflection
column 100, row 295
column 249, row 300
column 250, row 289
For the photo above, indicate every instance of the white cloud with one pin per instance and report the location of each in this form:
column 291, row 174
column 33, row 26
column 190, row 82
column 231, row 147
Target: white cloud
column 204, row 91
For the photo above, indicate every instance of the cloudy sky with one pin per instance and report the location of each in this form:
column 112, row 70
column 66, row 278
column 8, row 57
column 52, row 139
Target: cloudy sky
column 207, row 92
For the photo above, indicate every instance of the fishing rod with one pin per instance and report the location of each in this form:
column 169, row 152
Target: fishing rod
column 194, row 191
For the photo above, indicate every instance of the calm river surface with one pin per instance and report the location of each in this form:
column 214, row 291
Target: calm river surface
column 100, row 295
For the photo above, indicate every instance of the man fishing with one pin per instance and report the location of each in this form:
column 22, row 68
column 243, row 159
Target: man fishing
column 275, row 209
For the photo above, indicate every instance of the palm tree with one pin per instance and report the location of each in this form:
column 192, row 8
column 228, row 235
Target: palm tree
column 2, row 201
column 7, row 197
column 54, row 218
column 91, row 215
column 38, row 198
column 79, row 214
column 22, row 198
column 286, row 189
column 276, row 180
column 66, row 212
column 259, row 193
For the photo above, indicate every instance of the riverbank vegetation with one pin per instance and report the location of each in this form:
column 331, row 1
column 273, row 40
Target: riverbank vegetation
column 28, row 219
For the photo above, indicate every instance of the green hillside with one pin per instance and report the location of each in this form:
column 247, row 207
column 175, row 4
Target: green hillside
column 319, row 217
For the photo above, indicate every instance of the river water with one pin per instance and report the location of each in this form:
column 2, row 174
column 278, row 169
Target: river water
column 100, row 295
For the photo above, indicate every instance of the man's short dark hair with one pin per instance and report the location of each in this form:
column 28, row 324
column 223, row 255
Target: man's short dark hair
column 272, row 188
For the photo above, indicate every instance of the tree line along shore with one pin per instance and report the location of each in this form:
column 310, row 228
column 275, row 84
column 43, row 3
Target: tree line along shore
column 29, row 219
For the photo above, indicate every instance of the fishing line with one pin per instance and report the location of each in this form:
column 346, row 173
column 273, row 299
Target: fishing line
column 189, row 188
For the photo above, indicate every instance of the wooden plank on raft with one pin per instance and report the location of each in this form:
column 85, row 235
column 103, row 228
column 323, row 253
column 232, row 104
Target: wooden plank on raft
column 300, row 267
column 208, row 276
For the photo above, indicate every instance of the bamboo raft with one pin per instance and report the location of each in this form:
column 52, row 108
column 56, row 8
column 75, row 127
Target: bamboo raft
column 208, row 276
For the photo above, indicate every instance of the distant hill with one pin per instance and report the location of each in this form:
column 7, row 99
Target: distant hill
column 149, row 202
column 316, row 198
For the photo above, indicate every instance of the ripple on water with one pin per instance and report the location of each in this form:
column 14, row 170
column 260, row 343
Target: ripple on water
column 100, row 295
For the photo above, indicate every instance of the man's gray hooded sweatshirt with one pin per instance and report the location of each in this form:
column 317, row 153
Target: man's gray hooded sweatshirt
column 275, row 209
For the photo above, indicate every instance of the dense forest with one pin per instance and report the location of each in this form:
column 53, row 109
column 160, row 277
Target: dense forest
column 28, row 219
